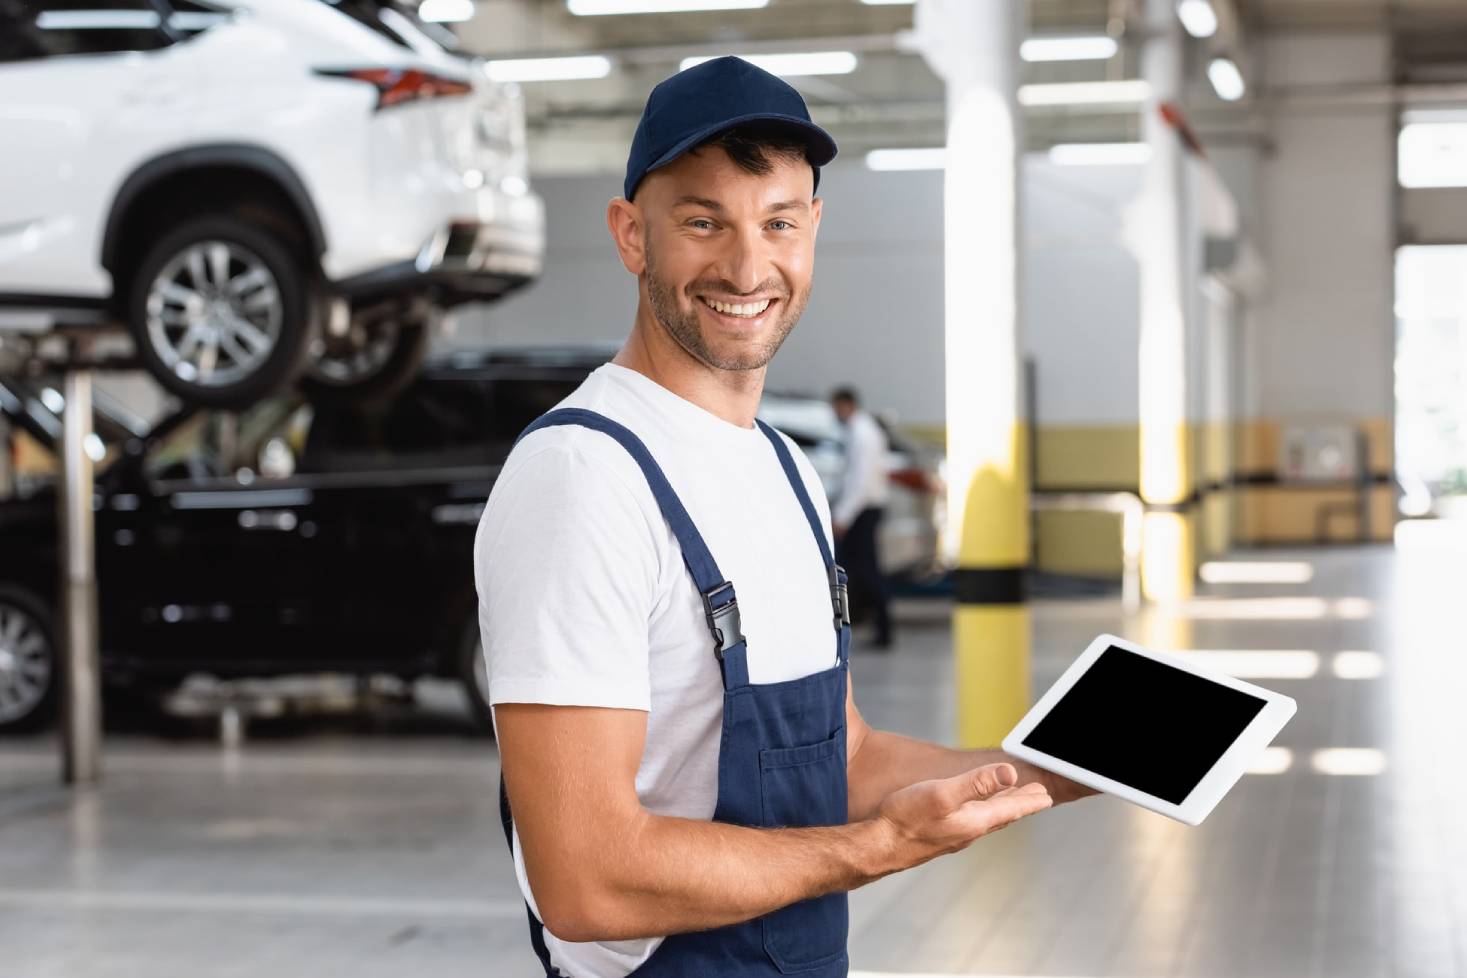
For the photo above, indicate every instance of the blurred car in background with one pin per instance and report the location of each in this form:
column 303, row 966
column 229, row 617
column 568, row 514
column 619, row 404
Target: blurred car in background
column 288, row 538
column 258, row 190
column 303, row 537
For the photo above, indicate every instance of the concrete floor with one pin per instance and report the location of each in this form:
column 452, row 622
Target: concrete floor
column 369, row 848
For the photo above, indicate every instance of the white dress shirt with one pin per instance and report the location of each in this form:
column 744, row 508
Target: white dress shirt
column 865, row 481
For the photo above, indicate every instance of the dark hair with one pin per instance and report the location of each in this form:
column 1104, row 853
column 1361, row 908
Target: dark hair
column 755, row 147
column 847, row 394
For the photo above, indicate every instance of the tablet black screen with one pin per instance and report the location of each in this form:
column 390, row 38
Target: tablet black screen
column 1144, row 724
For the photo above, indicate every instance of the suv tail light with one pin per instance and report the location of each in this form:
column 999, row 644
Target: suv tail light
column 398, row 85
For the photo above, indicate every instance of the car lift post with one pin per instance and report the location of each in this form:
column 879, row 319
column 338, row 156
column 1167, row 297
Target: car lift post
column 81, row 738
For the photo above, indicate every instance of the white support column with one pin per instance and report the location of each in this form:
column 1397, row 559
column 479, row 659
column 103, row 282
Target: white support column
column 1168, row 554
column 974, row 46
column 81, row 733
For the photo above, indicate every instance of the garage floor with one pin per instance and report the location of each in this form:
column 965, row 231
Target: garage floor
column 374, row 849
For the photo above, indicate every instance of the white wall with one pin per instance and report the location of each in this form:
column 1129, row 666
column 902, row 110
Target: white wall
column 1081, row 292
column 1324, row 334
column 875, row 318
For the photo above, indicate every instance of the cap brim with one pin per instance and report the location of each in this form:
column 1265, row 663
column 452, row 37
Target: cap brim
column 819, row 147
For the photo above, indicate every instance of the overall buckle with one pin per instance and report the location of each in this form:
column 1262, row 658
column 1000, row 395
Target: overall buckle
column 723, row 621
column 840, row 600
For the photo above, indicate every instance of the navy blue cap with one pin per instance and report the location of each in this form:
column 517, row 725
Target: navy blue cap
column 694, row 105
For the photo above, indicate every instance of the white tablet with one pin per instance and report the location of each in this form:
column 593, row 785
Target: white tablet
column 1149, row 727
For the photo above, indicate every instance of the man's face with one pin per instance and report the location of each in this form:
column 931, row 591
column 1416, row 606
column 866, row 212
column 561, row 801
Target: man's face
column 729, row 254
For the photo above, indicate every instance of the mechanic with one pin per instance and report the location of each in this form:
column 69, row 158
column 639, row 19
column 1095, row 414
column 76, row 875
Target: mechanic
column 682, row 800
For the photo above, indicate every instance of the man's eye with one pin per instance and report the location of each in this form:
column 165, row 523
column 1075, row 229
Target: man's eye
column 701, row 223
column 780, row 225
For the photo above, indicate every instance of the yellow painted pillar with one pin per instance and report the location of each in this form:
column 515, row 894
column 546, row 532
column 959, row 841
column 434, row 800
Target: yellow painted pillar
column 974, row 48
column 1168, row 535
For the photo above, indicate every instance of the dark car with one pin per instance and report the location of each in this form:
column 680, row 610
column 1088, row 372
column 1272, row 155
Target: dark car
column 288, row 538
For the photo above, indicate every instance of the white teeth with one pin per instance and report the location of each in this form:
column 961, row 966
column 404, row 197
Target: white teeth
column 746, row 309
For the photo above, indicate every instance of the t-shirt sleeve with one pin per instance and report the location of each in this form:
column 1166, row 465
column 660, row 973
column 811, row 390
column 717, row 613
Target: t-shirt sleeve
column 566, row 566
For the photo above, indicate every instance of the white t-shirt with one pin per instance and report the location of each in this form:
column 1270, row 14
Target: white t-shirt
column 584, row 598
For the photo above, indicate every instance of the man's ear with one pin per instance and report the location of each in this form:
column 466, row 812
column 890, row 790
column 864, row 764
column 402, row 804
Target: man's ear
column 624, row 221
column 816, row 206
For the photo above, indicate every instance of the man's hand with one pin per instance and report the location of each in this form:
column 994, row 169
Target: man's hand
column 931, row 818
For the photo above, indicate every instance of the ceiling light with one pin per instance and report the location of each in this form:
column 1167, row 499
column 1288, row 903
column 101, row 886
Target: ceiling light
column 1097, row 48
column 1256, row 572
column 599, row 8
column 1226, row 79
column 549, row 69
column 1198, row 17
column 888, row 3
column 446, row 11
column 1099, row 154
column 812, row 63
column 907, row 159
column 1086, row 93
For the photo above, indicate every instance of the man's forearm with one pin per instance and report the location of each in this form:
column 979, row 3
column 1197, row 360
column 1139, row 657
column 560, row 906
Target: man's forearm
column 886, row 762
column 677, row 875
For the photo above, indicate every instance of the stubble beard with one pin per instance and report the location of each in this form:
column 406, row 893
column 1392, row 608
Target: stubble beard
column 687, row 332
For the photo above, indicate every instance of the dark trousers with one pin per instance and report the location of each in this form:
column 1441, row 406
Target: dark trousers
column 856, row 552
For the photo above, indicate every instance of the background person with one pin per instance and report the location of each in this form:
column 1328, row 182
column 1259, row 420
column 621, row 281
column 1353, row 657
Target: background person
column 857, row 511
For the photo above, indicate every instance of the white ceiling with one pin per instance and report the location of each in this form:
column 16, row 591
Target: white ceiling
column 892, row 99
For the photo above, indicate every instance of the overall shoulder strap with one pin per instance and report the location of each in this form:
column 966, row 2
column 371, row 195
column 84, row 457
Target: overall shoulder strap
column 840, row 603
column 720, row 604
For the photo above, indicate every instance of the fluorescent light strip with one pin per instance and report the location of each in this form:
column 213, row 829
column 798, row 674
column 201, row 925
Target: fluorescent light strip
column 549, row 69
column 809, row 63
column 1358, row 665
column 602, row 8
column 1256, row 572
column 1197, row 17
column 1273, row 760
column 887, row 3
column 926, row 158
column 1099, row 154
column 1349, row 761
column 62, row 20
column 1278, row 609
column 446, row 11
column 1096, row 48
column 1250, row 664
column 1134, row 90
column 1226, row 79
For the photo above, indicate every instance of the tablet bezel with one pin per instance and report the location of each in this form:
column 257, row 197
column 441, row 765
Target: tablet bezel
column 1223, row 774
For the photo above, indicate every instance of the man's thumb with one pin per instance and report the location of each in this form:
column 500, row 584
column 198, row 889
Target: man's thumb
column 993, row 778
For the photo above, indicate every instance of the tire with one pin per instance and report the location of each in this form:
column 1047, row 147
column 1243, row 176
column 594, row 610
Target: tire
column 223, row 311
column 29, row 668
column 474, row 674
column 369, row 367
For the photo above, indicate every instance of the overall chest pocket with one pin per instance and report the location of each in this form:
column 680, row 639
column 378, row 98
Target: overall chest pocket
column 805, row 786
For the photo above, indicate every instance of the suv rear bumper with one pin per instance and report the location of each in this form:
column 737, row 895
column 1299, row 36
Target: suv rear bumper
column 464, row 261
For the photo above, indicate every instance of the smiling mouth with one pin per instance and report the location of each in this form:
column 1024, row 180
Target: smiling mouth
column 738, row 310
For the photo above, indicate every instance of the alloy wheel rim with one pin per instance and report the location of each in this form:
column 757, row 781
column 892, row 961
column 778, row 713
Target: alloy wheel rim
column 361, row 354
column 214, row 313
column 25, row 663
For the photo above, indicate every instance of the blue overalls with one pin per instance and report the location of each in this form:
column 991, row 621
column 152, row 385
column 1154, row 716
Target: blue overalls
column 781, row 759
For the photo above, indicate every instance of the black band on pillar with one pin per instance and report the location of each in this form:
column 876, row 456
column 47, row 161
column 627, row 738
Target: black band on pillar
column 989, row 585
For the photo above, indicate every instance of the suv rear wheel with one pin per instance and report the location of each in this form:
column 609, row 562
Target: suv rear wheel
column 372, row 362
column 223, row 311
column 28, row 669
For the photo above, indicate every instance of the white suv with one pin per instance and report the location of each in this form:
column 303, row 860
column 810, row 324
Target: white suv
column 258, row 190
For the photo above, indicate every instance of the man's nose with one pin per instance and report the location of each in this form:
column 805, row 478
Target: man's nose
column 746, row 262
